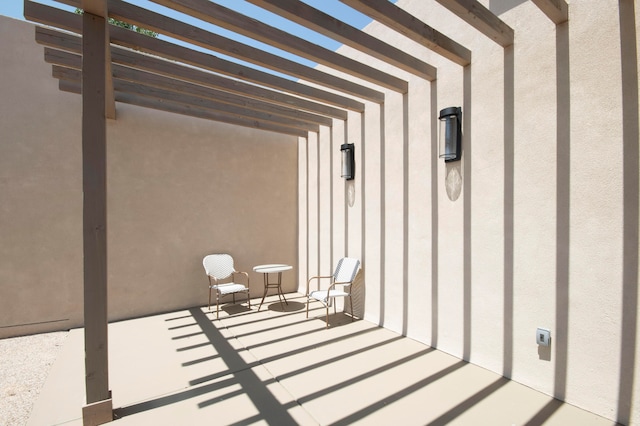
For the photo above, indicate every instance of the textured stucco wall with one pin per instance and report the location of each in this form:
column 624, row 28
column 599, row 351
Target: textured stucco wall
column 40, row 191
column 535, row 227
column 178, row 188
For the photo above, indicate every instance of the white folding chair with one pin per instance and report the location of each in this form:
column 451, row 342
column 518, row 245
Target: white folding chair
column 343, row 276
column 220, row 267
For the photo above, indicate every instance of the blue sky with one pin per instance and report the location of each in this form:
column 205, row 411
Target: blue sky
column 14, row 8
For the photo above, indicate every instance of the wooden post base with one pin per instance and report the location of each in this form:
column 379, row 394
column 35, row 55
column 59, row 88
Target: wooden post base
column 97, row 413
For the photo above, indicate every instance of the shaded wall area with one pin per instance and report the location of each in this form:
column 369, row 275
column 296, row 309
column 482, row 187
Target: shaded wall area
column 535, row 227
column 178, row 188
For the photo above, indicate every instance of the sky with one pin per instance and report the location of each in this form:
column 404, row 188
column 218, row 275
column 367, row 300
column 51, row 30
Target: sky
column 14, row 9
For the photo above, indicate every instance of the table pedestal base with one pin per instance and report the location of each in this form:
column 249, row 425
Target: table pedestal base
column 277, row 285
column 273, row 269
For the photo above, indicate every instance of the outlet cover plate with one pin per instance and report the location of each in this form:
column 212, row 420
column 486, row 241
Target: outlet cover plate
column 543, row 337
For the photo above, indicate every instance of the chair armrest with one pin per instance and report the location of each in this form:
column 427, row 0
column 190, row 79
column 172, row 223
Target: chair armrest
column 242, row 273
column 335, row 283
column 213, row 281
column 316, row 278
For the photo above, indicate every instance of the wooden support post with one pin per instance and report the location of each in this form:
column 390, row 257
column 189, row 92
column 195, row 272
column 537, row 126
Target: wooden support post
column 482, row 19
column 408, row 25
column 556, row 10
column 99, row 406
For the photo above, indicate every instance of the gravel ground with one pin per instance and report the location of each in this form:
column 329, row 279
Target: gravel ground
column 24, row 365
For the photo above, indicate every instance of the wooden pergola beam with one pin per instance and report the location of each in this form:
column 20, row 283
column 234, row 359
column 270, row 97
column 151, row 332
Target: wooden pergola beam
column 146, row 102
column 293, row 116
column 556, row 10
column 65, row 63
column 323, row 23
column 208, row 40
column 72, row 22
column 209, row 115
column 226, row 18
column 198, row 102
column 63, row 44
column 205, row 88
column 138, row 87
column 482, row 19
column 408, row 25
column 205, row 61
column 95, row 7
column 52, row 16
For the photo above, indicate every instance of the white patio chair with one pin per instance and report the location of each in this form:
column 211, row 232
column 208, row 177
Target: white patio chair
column 220, row 267
column 343, row 276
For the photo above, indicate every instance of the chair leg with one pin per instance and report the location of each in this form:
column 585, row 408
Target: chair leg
column 327, row 317
column 217, row 305
column 248, row 299
column 307, row 306
column 209, row 305
column 351, row 304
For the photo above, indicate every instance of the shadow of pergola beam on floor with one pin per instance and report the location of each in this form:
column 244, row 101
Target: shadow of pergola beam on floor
column 360, row 414
column 239, row 373
column 270, row 409
column 364, row 376
column 474, row 399
column 288, row 353
column 340, row 357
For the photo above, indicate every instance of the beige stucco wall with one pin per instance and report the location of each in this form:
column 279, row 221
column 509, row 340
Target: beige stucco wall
column 528, row 230
column 178, row 188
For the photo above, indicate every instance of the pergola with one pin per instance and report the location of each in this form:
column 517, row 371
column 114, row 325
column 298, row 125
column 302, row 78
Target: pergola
column 107, row 63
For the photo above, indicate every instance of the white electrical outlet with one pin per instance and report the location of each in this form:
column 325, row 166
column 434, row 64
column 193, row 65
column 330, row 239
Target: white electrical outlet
column 543, row 337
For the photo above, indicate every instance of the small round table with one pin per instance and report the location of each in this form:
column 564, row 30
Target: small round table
column 277, row 268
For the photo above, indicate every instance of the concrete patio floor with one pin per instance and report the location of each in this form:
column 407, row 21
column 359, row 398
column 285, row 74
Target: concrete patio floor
column 276, row 367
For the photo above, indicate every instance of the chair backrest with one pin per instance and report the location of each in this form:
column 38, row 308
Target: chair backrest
column 219, row 266
column 346, row 270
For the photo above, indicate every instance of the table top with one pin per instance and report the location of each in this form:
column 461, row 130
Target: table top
column 272, row 268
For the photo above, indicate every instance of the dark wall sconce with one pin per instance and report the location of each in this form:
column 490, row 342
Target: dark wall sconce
column 451, row 134
column 348, row 161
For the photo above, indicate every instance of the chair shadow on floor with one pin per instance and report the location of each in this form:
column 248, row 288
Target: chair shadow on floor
column 234, row 309
column 337, row 319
